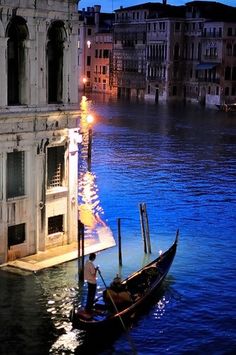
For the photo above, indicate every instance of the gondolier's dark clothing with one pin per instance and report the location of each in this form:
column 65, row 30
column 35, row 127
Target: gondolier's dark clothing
column 90, row 276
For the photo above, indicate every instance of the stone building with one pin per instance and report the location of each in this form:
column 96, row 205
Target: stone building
column 38, row 126
column 129, row 51
column 170, row 53
column 95, row 49
column 210, row 53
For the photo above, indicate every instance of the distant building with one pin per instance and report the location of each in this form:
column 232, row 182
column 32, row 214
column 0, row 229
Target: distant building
column 168, row 53
column 95, row 50
column 38, row 126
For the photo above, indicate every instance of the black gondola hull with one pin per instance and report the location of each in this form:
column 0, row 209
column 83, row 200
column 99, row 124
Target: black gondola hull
column 144, row 286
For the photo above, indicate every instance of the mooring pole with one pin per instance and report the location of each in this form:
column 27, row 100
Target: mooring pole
column 147, row 227
column 79, row 246
column 81, row 250
column 143, row 228
column 119, row 241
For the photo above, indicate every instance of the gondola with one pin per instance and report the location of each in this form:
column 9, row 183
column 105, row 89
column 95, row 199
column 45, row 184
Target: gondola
column 141, row 286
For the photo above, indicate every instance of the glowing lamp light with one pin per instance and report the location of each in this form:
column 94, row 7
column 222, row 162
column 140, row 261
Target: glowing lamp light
column 90, row 119
column 84, row 80
column 88, row 44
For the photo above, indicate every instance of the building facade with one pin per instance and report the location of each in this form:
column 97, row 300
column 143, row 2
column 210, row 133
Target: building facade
column 170, row 53
column 38, row 126
column 95, row 50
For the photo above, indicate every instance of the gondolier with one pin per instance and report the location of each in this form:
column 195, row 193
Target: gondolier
column 90, row 273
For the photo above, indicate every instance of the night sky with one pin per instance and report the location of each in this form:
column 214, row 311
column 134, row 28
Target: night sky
column 110, row 5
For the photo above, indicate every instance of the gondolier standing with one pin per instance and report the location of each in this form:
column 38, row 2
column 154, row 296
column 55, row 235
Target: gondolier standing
column 90, row 273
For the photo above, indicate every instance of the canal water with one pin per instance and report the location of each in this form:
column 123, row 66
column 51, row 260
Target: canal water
column 181, row 162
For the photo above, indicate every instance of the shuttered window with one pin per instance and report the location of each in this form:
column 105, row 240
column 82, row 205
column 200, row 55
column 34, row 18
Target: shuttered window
column 55, row 166
column 55, row 224
column 15, row 174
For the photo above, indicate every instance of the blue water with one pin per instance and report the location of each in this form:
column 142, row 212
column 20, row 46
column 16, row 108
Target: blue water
column 181, row 162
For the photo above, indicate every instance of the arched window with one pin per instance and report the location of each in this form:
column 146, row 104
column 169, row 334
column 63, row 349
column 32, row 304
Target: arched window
column 227, row 73
column 55, row 48
column 17, row 33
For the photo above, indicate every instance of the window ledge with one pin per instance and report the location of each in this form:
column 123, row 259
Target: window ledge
column 57, row 192
column 16, row 198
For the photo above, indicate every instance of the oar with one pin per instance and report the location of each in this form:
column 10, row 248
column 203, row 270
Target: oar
column 121, row 320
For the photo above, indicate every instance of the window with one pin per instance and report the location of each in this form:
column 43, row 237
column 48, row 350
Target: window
column 227, row 73
column 55, row 224
column 177, row 26
column 234, row 73
column 16, row 234
column 55, row 54
column 229, row 49
column 15, row 174
column 176, row 51
column 55, row 166
column 234, row 50
column 17, row 33
column 105, row 53
column 230, row 31
column 88, row 60
column 89, row 31
column 104, row 69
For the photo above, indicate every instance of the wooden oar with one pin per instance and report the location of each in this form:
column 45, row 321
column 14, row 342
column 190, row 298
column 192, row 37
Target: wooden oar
column 121, row 320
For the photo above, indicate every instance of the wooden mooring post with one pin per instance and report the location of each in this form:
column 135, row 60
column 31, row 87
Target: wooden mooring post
column 119, row 241
column 145, row 227
column 81, row 251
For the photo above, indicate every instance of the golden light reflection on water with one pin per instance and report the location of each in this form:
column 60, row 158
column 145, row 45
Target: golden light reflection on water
column 67, row 343
column 91, row 214
column 90, row 211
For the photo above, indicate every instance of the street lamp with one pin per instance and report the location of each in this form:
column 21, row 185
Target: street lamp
column 84, row 82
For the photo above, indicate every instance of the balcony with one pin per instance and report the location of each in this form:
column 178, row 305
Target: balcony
column 209, row 34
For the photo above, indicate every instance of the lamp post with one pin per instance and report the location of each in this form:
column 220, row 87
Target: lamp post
column 90, row 120
column 84, row 82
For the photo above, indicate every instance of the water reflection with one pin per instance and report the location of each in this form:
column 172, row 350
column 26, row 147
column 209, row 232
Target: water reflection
column 90, row 211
